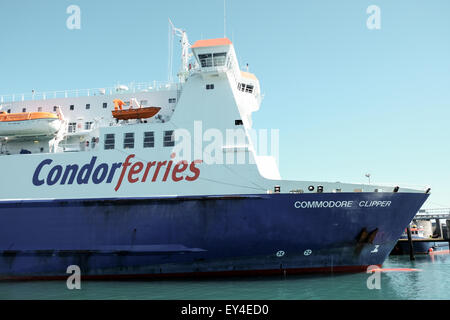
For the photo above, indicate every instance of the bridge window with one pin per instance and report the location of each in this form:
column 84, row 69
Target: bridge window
column 208, row 60
column 149, row 139
column 128, row 140
column 245, row 87
column 109, row 141
column 72, row 127
column 205, row 60
column 219, row 59
column 169, row 140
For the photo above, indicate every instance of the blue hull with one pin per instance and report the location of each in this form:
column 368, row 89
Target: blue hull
column 209, row 235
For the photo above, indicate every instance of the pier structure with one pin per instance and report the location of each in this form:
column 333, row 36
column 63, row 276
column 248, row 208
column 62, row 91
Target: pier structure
column 440, row 233
column 440, row 230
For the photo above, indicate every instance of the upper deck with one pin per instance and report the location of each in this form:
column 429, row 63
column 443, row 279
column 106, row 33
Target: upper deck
column 86, row 113
column 133, row 87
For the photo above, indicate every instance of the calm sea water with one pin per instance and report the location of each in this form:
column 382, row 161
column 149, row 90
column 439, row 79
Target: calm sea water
column 432, row 282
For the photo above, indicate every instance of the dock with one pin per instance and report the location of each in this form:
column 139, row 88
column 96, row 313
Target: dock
column 439, row 234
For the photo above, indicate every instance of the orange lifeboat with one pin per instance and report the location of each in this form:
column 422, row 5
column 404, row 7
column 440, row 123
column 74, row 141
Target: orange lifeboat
column 24, row 116
column 138, row 113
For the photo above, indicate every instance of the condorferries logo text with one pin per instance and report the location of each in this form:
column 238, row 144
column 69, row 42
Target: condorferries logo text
column 153, row 171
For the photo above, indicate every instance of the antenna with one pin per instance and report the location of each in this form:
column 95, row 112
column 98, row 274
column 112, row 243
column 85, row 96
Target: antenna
column 170, row 55
column 224, row 19
column 185, row 56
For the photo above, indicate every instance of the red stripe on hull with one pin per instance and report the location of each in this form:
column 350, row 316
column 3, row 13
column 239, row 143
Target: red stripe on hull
column 190, row 275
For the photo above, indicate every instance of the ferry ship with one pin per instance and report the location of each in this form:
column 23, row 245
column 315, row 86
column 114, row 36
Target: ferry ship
column 93, row 178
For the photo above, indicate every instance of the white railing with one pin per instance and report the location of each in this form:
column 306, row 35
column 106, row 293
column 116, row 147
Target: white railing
column 118, row 89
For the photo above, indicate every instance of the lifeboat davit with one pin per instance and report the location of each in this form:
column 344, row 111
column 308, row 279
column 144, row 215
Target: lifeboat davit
column 133, row 113
column 29, row 124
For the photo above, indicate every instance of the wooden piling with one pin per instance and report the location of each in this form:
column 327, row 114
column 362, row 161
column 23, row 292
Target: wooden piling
column 448, row 232
column 411, row 247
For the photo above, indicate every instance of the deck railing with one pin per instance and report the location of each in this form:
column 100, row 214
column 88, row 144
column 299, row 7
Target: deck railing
column 118, row 89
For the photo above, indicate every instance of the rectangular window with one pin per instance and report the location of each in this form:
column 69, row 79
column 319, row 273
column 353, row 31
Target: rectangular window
column 24, row 110
column 149, row 139
column 144, row 102
column 169, row 140
column 205, row 60
column 88, row 125
column 245, row 87
column 172, row 100
column 88, row 106
column 55, row 108
column 128, row 140
column 209, row 87
column 9, row 111
column 72, row 127
column 109, row 141
column 39, row 109
column 219, row 59
column 105, row 105
column 72, row 107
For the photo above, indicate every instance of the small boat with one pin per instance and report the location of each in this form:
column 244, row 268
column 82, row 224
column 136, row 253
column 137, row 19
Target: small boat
column 133, row 113
column 29, row 124
column 417, row 233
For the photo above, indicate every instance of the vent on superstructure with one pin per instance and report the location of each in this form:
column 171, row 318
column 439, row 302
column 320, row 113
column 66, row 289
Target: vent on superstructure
column 149, row 139
column 109, row 141
column 128, row 140
column 169, row 140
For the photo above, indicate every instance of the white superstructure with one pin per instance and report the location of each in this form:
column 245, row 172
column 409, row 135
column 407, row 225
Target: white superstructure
column 93, row 155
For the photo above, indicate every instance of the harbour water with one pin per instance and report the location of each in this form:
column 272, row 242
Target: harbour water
column 429, row 282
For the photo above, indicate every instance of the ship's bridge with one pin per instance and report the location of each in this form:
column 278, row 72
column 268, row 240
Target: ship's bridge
column 215, row 55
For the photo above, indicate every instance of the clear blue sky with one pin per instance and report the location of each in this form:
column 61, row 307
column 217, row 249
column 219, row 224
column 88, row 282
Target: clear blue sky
column 347, row 100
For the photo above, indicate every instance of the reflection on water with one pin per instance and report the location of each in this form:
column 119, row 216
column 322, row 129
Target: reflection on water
column 432, row 282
